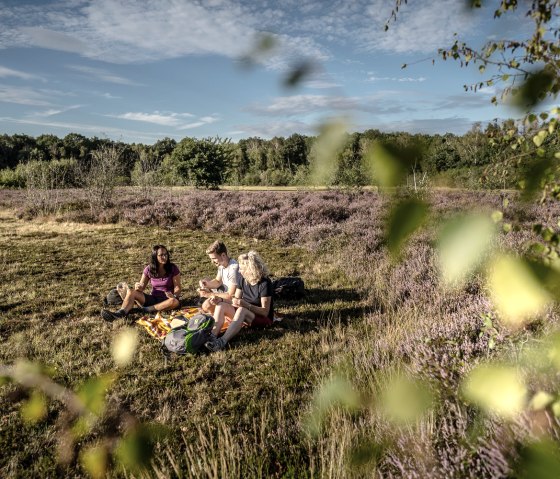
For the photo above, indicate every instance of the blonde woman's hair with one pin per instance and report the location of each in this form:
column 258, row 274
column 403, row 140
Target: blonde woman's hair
column 254, row 267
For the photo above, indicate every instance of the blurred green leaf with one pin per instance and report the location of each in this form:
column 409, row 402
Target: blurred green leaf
column 497, row 216
column 297, row 73
column 367, row 453
column 541, row 400
column 405, row 399
column 135, row 450
column 35, row 408
column 93, row 392
column 506, row 227
column 534, row 176
column 517, row 293
column 497, row 389
column 463, row 243
column 404, row 219
column 331, row 140
column 94, row 459
column 389, row 164
column 539, row 138
column 124, row 346
column 337, row 392
column 534, row 89
column 556, row 408
column 538, row 460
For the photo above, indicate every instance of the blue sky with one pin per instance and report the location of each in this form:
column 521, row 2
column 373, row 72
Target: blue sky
column 142, row 70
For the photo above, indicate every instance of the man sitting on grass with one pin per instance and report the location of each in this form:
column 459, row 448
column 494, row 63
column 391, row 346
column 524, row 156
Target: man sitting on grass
column 225, row 283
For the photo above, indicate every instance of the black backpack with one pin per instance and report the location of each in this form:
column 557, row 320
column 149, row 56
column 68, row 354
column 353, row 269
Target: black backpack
column 113, row 298
column 190, row 337
column 290, row 287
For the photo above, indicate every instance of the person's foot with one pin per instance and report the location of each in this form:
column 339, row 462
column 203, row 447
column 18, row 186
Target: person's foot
column 136, row 311
column 110, row 316
column 215, row 344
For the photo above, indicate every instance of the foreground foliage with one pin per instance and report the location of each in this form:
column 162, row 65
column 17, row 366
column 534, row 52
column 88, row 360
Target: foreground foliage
column 363, row 378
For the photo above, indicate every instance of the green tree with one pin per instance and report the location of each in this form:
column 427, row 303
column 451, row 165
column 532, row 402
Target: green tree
column 202, row 163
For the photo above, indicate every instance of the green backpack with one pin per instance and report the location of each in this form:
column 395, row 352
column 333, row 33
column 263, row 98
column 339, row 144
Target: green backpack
column 190, row 337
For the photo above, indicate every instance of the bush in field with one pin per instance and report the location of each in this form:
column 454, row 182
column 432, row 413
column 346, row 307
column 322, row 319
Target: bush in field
column 44, row 179
column 145, row 174
column 202, row 163
column 102, row 176
column 12, row 178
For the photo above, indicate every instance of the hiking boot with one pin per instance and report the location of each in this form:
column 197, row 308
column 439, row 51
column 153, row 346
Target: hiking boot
column 110, row 316
column 136, row 311
column 215, row 344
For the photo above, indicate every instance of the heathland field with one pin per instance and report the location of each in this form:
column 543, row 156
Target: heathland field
column 312, row 396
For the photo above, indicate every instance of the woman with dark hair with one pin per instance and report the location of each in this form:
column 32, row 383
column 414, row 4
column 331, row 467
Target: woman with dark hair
column 251, row 305
column 165, row 279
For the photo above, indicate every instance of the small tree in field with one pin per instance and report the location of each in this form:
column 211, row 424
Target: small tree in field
column 202, row 163
column 102, row 176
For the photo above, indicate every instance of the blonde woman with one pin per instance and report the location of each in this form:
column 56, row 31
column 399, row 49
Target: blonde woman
column 252, row 302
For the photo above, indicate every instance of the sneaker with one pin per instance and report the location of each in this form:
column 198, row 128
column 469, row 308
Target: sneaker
column 215, row 344
column 136, row 311
column 109, row 315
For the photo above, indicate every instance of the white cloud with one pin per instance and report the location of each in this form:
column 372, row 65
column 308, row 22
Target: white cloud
column 302, row 104
column 54, row 111
column 271, row 129
column 45, row 38
column 8, row 72
column 397, row 79
column 96, row 130
column 23, row 96
column 129, row 31
column 101, row 74
column 176, row 120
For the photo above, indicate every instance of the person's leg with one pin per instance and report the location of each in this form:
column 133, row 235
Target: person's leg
column 169, row 303
column 131, row 296
column 208, row 307
column 155, row 303
column 222, row 310
column 241, row 316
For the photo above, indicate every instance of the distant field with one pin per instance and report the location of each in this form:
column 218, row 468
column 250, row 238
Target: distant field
column 243, row 412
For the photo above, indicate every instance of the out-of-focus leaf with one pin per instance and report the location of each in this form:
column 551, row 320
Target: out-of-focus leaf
column 539, row 138
column 35, row 408
column 463, row 243
column 367, row 453
column 534, row 177
column 538, row 460
column 534, row 90
column 516, row 291
column 405, row 218
column 497, row 389
column 541, row 400
column 556, row 408
column 548, row 276
column 94, row 460
column 337, row 392
column 135, row 450
column 497, row 216
column 506, row 227
column 389, row 164
column 552, row 346
column 405, row 400
column 326, row 148
column 298, row 72
column 262, row 47
column 124, row 346
column 93, row 392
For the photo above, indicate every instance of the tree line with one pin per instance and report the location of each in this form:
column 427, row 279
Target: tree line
column 476, row 159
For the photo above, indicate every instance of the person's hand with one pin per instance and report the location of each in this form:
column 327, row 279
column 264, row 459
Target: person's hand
column 204, row 293
column 236, row 302
column 215, row 300
column 203, row 284
column 170, row 295
column 138, row 286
